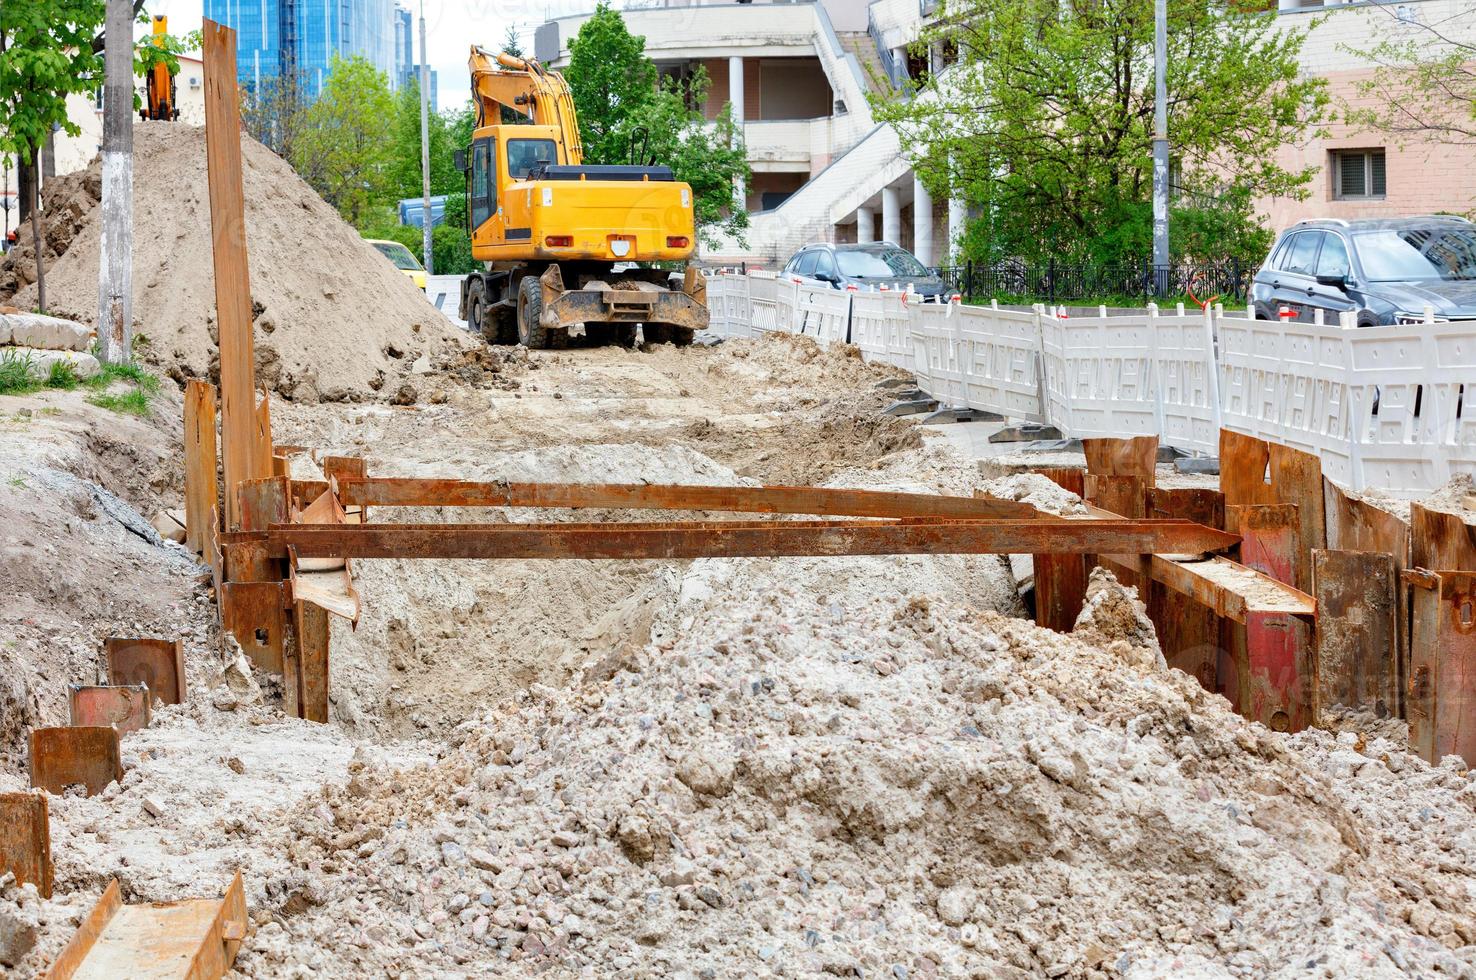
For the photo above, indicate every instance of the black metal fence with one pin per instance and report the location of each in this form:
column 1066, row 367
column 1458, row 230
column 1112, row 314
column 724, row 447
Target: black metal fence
column 1058, row 282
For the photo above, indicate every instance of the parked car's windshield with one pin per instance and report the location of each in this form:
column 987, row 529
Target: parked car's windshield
column 1417, row 253
column 399, row 255
column 883, row 264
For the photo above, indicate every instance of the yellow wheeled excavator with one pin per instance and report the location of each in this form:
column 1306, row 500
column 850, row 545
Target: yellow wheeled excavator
column 568, row 249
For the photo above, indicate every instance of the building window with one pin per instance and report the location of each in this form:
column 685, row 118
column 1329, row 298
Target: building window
column 1358, row 175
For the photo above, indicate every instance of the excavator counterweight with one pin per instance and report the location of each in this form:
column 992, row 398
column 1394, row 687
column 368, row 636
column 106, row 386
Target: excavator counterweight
column 568, row 248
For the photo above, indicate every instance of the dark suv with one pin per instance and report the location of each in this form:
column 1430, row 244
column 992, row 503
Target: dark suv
column 1385, row 270
column 874, row 265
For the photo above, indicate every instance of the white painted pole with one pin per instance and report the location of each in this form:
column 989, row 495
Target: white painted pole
column 115, row 265
column 425, row 195
column 865, row 225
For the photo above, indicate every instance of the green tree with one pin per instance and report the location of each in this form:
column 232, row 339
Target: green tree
column 510, row 43
column 340, row 148
column 48, row 51
column 445, row 138
column 627, row 112
column 1045, row 123
column 1424, row 88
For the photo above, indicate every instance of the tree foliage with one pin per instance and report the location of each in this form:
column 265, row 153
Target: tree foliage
column 340, row 146
column 448, row 132
column 627, row 113
column 1045, row 123
column 46, row 54
column 1424, row 87
column 48, row 50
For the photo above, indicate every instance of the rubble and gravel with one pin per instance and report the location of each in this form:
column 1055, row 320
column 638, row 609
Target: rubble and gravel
column 865, row 767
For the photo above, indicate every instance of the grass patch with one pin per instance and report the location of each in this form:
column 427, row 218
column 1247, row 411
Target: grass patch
column 135, row 402
column 15, row 374
column 62, row 375
column 124, row 372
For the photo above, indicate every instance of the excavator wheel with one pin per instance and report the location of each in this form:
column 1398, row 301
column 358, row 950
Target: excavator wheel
column 531, row 332
column 497, row 323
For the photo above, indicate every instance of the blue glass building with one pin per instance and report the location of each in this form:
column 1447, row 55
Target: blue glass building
column 272, row 34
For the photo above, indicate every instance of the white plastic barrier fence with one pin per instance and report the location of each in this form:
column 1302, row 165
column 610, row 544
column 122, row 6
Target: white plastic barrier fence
column 940, row 355
column 1391, row 407
column 1099, row 375
column 823, row 313
column 1412, row 394
column 727, row 304
column 1185, row 379
column 1003, row 361
column 763, row 302
column 786, row 296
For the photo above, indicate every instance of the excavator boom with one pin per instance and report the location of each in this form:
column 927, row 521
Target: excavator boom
column 527, row 88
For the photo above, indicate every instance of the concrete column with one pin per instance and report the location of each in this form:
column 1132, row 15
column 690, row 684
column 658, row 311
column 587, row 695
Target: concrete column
column 958, row 217
column 735, row 88
column 735, row 99
column 865, row 225
column 891, row 216
column 922, row 223
column 899, row 58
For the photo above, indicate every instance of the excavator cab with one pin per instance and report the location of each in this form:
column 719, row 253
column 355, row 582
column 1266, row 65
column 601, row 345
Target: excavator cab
column 552, row 230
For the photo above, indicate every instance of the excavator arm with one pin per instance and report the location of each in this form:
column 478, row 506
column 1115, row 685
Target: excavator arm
column 529, row 89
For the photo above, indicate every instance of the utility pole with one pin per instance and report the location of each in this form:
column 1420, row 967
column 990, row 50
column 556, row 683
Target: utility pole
column 1160, row 147
column 115, row 268
column 425, row 207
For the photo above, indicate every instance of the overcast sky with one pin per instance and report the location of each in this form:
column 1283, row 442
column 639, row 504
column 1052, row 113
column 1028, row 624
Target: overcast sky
column 451, row 26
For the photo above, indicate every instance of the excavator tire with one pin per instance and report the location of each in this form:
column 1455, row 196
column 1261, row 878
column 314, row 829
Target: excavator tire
column 496, row 323
column 531, row 332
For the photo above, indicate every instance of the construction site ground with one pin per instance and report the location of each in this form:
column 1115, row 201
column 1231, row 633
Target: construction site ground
column 870, row 767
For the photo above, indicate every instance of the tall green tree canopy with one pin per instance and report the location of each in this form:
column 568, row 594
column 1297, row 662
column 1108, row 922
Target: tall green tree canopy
column 340, row 147
column 627, row 113
column 1045, row 123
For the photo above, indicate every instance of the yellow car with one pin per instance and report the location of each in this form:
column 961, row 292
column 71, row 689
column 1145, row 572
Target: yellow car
column 402, row 258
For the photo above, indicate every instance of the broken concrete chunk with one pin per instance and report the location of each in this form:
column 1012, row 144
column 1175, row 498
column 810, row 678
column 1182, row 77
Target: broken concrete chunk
column 47, row 332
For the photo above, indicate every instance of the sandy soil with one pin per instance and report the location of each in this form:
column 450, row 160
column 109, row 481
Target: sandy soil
column 798, row 767
column 333, row 318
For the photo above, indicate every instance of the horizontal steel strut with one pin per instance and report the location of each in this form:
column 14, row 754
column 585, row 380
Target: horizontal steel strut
column 735, row 539
column 389, row 492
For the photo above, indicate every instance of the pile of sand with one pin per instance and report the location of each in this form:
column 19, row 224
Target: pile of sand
column 334, row 319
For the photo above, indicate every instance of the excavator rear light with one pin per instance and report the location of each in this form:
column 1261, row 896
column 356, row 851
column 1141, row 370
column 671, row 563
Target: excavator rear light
column 558, row 241
column 676, row 241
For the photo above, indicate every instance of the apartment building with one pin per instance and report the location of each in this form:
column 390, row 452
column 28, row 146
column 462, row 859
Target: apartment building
column 824, row 170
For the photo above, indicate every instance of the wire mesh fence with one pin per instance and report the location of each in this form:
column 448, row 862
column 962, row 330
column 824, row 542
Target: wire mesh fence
column 1060, row 282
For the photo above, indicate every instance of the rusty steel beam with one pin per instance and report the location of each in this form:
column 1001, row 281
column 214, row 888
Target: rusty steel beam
column 396, row 492
column 61, row 757
column 193, row 939
column 738, row 539
column 25, row 840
